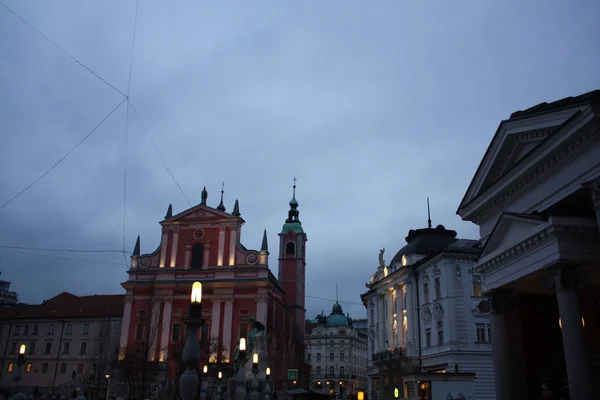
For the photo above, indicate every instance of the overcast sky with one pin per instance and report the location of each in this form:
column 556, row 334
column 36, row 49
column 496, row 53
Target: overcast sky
column 373, row 105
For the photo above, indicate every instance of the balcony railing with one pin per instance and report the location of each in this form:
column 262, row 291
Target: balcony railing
column 389, row 355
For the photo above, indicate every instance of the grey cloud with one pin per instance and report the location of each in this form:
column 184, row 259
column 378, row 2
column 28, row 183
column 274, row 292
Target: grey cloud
column 373, row 107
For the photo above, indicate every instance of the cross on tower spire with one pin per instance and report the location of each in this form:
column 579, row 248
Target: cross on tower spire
column 428, row 214
column 221, row 206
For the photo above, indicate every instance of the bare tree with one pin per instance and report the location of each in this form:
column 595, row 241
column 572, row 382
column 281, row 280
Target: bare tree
column 139, row 365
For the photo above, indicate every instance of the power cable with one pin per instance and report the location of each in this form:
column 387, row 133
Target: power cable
column 59, row 250
column 65, row 156
column 127, row 129
column 333, row 300
column 63, row 258
column 159, row 153
column 61, row 49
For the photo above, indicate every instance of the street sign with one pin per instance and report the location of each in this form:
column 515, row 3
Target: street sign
column 292, row 374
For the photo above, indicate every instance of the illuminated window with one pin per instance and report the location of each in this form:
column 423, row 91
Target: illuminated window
column 28, row 368
column 10, row 367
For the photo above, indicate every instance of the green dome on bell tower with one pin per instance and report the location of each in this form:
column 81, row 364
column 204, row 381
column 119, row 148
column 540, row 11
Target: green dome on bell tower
column 292, row 223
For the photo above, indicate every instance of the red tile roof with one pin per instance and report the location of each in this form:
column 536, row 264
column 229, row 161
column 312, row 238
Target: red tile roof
column 67, row 305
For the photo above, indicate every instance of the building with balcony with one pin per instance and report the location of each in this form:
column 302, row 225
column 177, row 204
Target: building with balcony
column 536, row 200
column 7, row 297
column 337, row 353
column 68, row 340
column 423, row 319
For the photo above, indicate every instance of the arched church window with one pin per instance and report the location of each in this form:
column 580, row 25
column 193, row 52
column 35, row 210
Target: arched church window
column 197, row 255
column 290, row 249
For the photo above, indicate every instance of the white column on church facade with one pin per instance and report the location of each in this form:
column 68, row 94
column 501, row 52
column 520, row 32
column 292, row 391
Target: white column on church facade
column 125, row 325
column 381, row 321
column 576, row 357
column 153, row 330
column 390, row 319
column 188, row 256
column 221, row 247
column 163, row 247
column 215, row 323
column 261, row 309
column 499, row 325
column 165, row 333
column 232, row 245
column 370, row 337
column 227, row 327
column 399, row 316
column 174, row 247
column 206, row 255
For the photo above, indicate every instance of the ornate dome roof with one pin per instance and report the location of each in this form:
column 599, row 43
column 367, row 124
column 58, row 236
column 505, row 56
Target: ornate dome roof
column 337, row 317
column 423, row 241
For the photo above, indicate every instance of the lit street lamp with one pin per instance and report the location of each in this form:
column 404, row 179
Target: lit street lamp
column 188, row 382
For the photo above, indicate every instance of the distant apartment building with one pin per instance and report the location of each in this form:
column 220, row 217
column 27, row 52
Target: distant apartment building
column 67, row 338
column 337, row 353
column 7, row 297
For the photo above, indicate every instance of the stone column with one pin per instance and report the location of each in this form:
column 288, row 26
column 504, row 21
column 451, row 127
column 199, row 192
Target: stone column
column 390, row 319
column 381, row 321
column 227, row 327
column 578, row 370
column 188, row 256
column 399, row 338
column 125, row 325
column 507, row 351
column 261, row 308
column 174, row 247
column 153, row 330
column 411, row 316
column 166, row 330
column 232, row 246
column 163, row 247
column 221, row 247
column 215, row 323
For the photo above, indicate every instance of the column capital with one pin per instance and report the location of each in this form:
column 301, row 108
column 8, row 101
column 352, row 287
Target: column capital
column 128, row 299
column 261, row 299
column 567, row 278
column 175, row 230
column 168, row 300
column 227, row 299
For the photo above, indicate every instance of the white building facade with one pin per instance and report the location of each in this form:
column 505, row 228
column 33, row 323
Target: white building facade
column 536, row 199
column 337, row 354
column 423, row 318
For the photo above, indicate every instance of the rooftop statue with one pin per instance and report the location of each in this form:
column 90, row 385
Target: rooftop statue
column 381, row 261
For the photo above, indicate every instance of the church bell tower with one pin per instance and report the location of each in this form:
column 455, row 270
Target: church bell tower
column 292, row 263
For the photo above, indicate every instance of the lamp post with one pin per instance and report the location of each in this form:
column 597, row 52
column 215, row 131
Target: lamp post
column 17, row 377
column 188, row 382
column 240, row 379
column 254, row 384
column 267, row 384
column 107, row 376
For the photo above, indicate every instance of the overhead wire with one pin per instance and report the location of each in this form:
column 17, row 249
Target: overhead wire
column 333, row 300
column 63, row 258
column 61, row 49
column 63, row 157
column 60, row 250
column 137, row 6
column 159, row 153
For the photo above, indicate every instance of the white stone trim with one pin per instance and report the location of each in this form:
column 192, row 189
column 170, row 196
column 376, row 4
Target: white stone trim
column 165, row 331
column 232, row 246
column 163, row 248
column 174, row 247
column 221, row 247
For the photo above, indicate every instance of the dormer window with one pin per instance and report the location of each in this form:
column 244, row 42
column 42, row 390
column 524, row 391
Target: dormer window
column 197, row 256
column 290, row 249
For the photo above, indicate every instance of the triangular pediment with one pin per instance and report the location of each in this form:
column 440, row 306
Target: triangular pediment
column 511, row 229
column 201, row 213
column 513, row 141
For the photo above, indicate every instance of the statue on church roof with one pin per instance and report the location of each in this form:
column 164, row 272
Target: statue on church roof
column 381, row 260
